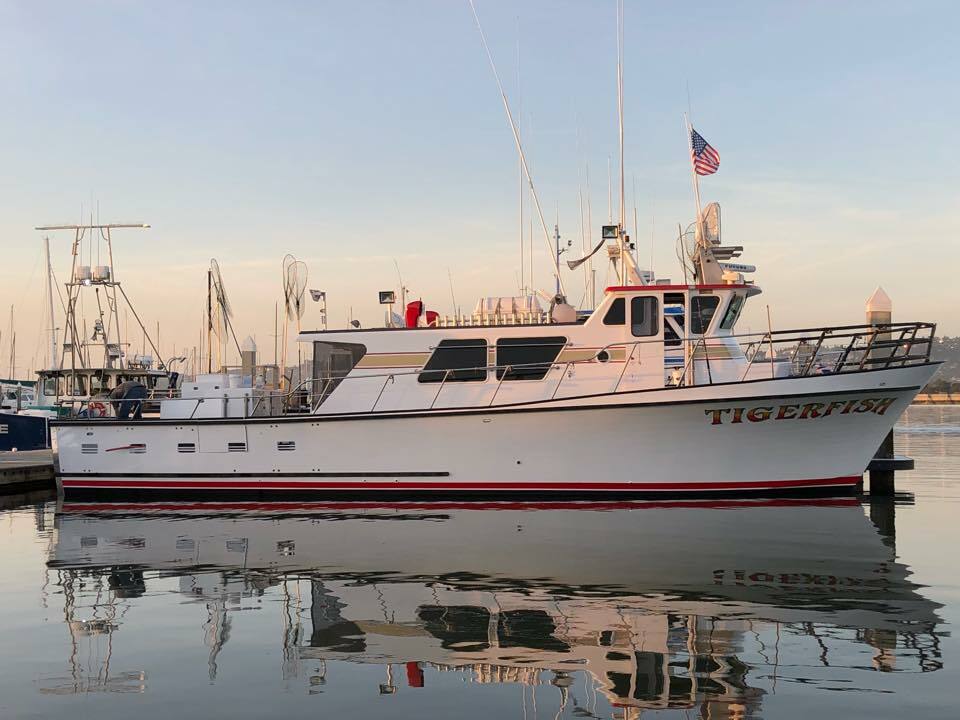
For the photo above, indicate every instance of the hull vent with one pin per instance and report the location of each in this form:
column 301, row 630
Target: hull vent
column 89, row 448
column 286, row 445
column 237, row 447
column 186, row 447
column 138, row 448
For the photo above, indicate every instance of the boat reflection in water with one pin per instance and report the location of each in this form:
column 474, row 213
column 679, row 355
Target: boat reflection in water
column 652, row 603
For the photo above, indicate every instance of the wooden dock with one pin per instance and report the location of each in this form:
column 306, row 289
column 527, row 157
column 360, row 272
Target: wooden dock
column 937, row 399
column 26, row 470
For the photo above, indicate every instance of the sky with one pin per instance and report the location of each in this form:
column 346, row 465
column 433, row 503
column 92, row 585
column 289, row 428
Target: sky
column 363, row 137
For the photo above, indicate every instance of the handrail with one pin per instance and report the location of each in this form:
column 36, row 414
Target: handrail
column 908, row 343
column 387, row 379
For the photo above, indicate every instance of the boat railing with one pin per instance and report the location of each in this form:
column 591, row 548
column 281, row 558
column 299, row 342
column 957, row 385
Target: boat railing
column 787, row 353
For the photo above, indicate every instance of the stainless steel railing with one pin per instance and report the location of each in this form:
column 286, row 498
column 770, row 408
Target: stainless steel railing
column 811, row 351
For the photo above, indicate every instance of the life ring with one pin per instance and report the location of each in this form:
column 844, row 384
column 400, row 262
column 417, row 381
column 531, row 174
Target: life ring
column 96, row 409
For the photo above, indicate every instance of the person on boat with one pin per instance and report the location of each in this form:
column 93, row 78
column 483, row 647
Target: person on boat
column 127, row 399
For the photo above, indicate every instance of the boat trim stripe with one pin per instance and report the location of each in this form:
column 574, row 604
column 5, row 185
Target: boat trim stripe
column 156, row 481
column 361, row 475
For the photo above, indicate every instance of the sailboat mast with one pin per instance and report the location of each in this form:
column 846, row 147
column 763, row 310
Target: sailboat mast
column 593, row 273
column 12, row 368
column 209, row 321
column 53, row 322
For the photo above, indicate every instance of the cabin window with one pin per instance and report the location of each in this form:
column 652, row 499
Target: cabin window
column 331, row 363
column 76, row 385
column 528, row 358
column 644, row 316
column 616, row 315
column 702, row 310
column 732, row 313
column 456, row 361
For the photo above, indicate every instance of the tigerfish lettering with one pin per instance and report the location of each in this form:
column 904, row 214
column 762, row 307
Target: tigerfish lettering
column 806, row 411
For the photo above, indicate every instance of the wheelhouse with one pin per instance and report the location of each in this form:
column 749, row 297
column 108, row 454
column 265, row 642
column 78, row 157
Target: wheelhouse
column 639, row 337
column 68, row 384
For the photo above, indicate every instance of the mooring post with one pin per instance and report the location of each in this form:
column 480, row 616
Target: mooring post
column 880, row 312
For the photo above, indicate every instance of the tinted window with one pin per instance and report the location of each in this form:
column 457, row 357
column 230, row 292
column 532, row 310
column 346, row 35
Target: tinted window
column 732, row 313
column 644, row 316
column 702, row 310
column 616, row 315
column 331, row 363
column 670, row 337
column 458, row 360
column 463, row 627
column 674, row 313
column 528, row 358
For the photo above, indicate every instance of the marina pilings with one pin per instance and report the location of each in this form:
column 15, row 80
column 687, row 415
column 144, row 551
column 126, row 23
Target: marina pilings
column 885, row 462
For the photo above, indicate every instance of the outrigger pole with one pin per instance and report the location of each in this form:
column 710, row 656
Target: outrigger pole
column 523, row 157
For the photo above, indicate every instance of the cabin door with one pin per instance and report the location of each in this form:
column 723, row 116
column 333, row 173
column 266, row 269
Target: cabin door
column 674, row 334
column 644, row 352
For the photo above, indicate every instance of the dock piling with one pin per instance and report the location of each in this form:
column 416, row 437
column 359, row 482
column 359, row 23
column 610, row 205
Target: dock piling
column 885, row 462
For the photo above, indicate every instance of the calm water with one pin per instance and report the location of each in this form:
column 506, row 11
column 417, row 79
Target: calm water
column 775, row 609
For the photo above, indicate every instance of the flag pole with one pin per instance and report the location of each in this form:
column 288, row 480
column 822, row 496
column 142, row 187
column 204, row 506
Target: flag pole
column 693, row 172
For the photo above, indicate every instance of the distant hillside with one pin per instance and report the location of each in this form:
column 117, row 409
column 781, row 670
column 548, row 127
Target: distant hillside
column 947, row 379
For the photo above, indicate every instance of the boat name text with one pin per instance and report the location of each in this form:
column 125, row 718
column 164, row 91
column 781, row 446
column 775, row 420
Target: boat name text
column 806, row 411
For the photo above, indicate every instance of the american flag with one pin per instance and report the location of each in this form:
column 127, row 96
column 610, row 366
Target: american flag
column 706, row 160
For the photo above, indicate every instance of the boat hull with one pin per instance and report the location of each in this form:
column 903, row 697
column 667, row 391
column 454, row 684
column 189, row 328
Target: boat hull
column 19, row 431
column 803, row 435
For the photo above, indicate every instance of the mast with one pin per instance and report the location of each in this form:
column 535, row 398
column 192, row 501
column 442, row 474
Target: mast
column 53, row 323
column 88, row 276
column 209, row 320
column 556, row 240
column 623, row 221
column 591, row 270
column 12, row 369
column 522, row 189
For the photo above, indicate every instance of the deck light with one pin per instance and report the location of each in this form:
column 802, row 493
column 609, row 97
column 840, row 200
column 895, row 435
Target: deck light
column 611, row 232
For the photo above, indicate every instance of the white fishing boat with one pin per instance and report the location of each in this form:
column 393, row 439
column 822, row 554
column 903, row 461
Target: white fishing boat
column 509, row 404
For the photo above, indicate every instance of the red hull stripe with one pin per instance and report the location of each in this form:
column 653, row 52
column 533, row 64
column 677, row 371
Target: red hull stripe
column 280, row 507
column 447, row 486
